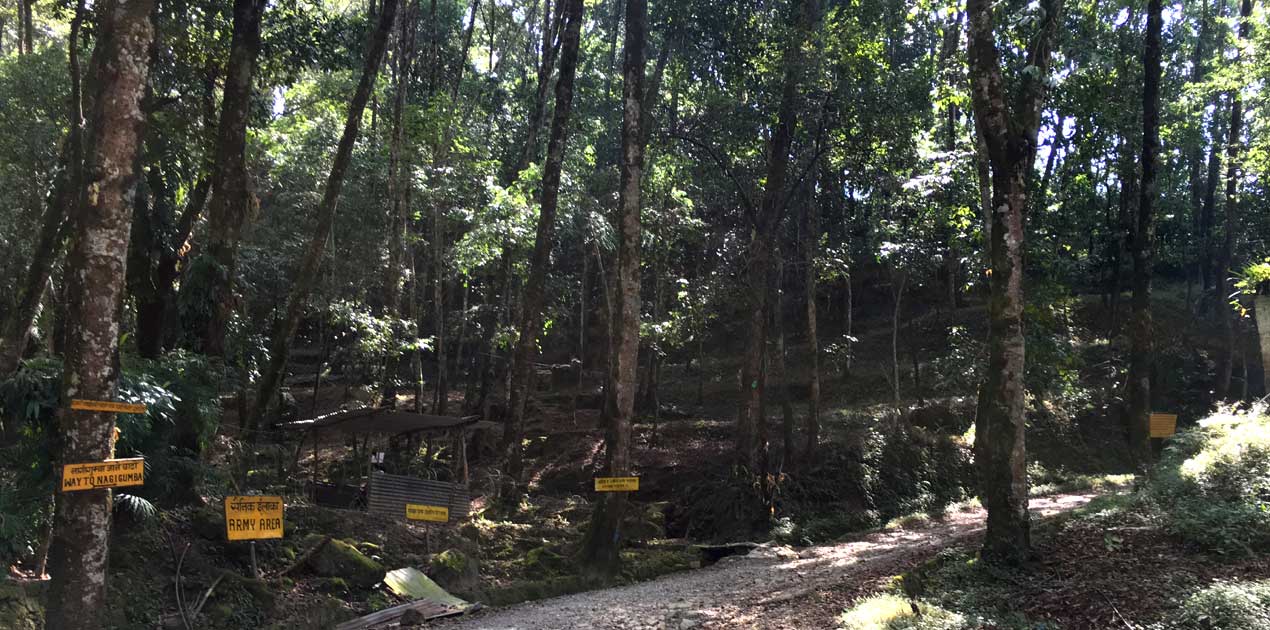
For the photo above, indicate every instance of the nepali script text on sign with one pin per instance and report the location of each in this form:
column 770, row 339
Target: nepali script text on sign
column 107, row 405
column 253, row 517
column 429, row 513
column 112, row 473
column 616, row 484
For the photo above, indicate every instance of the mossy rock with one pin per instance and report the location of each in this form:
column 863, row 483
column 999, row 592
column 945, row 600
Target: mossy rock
column 324, row 611
column 543, row 562
column 646, row 564
column 240, row 602
column 528, row 590
column 339, row 559
column 19, row 609
column 645, row 522
column 471, row 532
column 208, row 522
column 333, row 585
column 454, row 570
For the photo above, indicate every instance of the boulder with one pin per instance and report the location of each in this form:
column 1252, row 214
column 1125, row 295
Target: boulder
column 938, row 419
column 645, row 522
column 339, row 559
column 19, row 608
column 454, row 570
column 208, row 522
column 542, row 562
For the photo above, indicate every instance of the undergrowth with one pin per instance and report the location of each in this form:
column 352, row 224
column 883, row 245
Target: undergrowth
column 1205, row 506
column 1213, row 483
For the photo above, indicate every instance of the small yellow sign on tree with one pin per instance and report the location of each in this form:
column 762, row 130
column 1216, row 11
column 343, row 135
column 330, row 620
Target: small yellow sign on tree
column 616, row 484
column 112, row 473
column 253, row 517
column 428, row 513
column 106, row 405
column 1163, row 425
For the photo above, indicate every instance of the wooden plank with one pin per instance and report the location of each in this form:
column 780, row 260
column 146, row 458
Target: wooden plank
column 427, row 608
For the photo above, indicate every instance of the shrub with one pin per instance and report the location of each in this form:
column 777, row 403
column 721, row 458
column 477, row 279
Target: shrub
column 885, row 468
column 894, row 612
column 180, row 394
column 1228, row 606
column 1213, row 484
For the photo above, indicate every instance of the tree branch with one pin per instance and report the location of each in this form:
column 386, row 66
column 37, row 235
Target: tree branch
column 750, row 211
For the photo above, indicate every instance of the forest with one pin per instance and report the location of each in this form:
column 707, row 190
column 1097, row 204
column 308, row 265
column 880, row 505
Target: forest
column 852, row 314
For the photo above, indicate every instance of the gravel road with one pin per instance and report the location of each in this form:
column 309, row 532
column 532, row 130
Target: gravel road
column 772, row 588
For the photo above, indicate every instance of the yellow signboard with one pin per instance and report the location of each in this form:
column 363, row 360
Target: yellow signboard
column 106, row 405
column 1163, row 425
column 112, row 473
column 253, row 517
column 616, row 484
column 429, row 513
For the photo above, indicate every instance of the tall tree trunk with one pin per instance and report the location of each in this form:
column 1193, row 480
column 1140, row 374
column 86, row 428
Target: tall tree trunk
column 1225, row 258
column 161, row 305
column 984, row 176
column 1217, row 134
column 1010, row 135
column 461, row 63
column 603, row 542
column 1122, row 233
column 494, row 362
column 55, row 226
column 27, row 25
column 810, row 246
column 438, row 309
column 232, row 198
column 306, row 276
column 779, row 374
column 763, row 226
column 398, row 173
column 399, row 193
column 95, row 278
column 1195, row 156
column 898, row 280
column 550, row 49
column 1261, row 311
column 531, row 310
column 1141, row 356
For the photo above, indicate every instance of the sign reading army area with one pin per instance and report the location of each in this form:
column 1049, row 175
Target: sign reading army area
column 112, row 473
column 428, row 513
column 616, row 484
column 253, row 517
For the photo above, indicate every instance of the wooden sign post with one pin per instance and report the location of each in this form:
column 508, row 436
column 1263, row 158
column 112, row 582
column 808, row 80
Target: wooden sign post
column 112, row 473
column 617, row 484
column 1163, row 425
column 253, row 518
column 428, row 514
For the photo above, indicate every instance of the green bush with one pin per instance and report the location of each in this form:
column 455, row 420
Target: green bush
column 180, row 393
column 886, row 468
column 1228, row 606
column 1213, row 483
column 894, row 612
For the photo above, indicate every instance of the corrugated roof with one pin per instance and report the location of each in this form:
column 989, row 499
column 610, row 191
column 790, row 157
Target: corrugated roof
column 380, row 420
column 389, row 495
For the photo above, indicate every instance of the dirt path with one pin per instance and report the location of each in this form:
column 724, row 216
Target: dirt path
column 804, row 592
